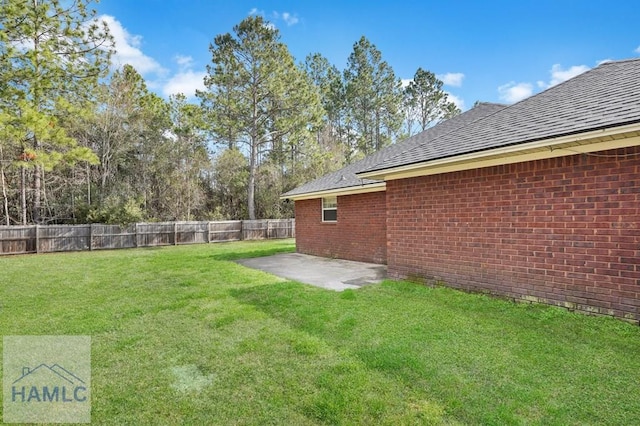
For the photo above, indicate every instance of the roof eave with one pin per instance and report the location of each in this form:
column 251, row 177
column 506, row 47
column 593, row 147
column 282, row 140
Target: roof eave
column 349, row 190
column 585, row 142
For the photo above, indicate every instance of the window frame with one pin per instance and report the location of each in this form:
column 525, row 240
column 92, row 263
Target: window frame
column 329, row 204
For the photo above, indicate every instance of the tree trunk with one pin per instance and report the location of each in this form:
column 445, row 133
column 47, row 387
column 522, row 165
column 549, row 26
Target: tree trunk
column 251, row 191
column 88, row 185
column 4, row 191
column 378, row 143
column 37, row 181
column 37, row 193
column 189, row 192
column 23, row 193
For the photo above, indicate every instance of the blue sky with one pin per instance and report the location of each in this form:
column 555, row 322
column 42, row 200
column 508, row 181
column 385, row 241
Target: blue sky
column 493, row 51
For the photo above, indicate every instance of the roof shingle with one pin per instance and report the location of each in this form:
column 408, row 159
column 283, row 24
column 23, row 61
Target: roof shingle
column 606, row 96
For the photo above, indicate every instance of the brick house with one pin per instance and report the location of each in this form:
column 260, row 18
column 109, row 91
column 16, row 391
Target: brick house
column 537, row 201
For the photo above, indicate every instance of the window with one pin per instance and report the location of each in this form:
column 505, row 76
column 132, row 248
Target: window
column 330, row 209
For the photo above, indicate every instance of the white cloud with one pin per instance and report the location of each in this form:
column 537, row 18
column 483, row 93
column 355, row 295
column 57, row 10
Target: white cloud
column 559, row 74
column 128, row 51
column 127, row 48
column 514, row 92
column 451, row 78
column 186, row 80
column 405, row 82
column 183, row 61
column 289, row 19
column 456, row 100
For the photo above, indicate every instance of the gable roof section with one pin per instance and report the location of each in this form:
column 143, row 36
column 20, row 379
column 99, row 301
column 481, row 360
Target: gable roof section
column 605, row 97
column 345, row 181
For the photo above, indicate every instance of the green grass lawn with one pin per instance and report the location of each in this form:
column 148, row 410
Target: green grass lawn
column 182, row 335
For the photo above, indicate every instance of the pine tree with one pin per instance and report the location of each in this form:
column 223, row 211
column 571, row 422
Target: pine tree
column 425, row 101
column 257, row 97
column 51, row 52
column 373, row 98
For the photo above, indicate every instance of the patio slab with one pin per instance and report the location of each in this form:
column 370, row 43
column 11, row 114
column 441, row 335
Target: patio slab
column 331, row 274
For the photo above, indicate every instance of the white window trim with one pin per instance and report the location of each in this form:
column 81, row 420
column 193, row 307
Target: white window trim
column 334, row 207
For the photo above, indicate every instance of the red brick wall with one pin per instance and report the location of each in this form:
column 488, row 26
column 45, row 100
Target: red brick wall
column 563, row 231
column 359, row 234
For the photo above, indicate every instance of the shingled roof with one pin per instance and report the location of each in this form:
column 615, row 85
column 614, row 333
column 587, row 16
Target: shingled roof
column 604, row 97
column 346, row 177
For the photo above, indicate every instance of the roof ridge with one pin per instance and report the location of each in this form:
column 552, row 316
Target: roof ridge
column 489, row 103
column 562, row 83
column 616, row 61
column 528, row 98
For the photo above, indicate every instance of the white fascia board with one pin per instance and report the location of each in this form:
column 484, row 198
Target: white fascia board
column 350, row 190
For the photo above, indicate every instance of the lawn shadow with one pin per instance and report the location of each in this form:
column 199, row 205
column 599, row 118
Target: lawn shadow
column 290, row 301
column 235, row 255
column 334, row 317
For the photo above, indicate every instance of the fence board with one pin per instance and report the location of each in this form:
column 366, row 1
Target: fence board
column 17, row 239
column 192, row 232
column 280, row 228
column 55, row 238
column 155, row 234
column 254, row 230
column 112, row 237
column 230, row 230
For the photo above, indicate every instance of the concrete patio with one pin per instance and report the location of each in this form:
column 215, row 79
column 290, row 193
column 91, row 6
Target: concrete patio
column 331, row 274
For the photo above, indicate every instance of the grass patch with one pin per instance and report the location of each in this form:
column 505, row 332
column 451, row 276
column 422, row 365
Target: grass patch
column 184, row 335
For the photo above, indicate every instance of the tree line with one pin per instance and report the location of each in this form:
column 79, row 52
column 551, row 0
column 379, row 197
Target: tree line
column 81, row 142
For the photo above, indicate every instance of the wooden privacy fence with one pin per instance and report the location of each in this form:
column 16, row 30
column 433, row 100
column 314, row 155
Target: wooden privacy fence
column 54, row 238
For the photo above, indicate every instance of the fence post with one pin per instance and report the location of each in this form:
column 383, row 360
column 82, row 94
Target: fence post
column 208, row 233
column 37, row 239
column 91, row 237
column 241, row 230
column 175, row 233
column 268, row 234
column 137, row 243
